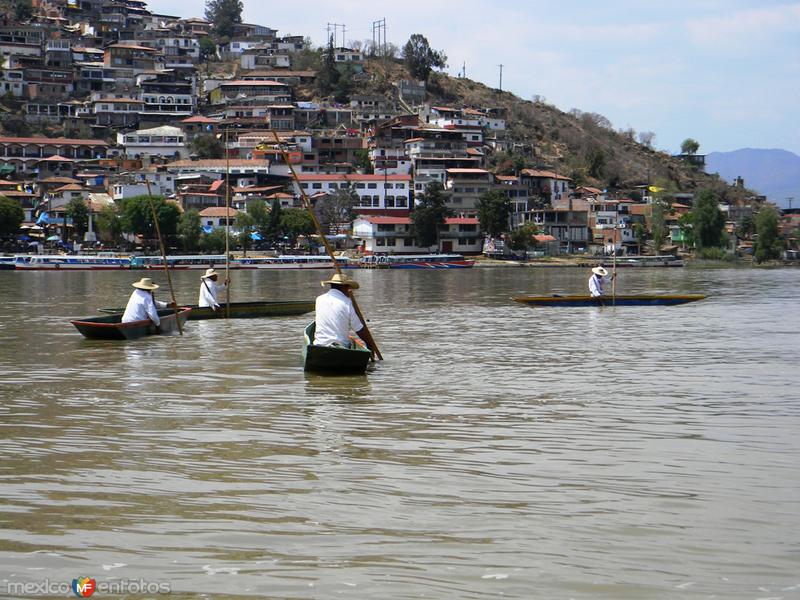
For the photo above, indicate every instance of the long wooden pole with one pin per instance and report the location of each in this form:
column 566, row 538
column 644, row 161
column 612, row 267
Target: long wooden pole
column 227, row 224
column 325, row 242
column 614, row 270
column 163, row 253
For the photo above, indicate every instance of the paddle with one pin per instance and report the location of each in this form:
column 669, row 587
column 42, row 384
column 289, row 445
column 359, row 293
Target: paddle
column 325, row 242
column 163, row 253
column 227, row 225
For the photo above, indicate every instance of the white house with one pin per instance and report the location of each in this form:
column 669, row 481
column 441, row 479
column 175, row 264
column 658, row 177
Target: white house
column 166, row 141
column 214, row 216
column 392, row 235
column 378, row 191
column 126, row 185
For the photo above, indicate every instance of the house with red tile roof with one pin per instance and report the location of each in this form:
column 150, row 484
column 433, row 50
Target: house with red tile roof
column 381, row 234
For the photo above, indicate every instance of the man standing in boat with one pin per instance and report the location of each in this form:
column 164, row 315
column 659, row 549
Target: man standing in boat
column 142, row 305
column 336, row 316
column 210, row 290
column 597, row 282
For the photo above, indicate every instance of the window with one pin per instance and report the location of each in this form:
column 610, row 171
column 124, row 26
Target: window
column 380, row 242
column 401, row 202
column 385, row 227
column 316, row 186
column 389, row 201
column 388, row 186
column 360, row 186
column 391, row 242
column 408, row 241
column 372, row 186
column 331, row 186
column 376, row 201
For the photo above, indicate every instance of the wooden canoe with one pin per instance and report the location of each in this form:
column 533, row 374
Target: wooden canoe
column 111, row 327
column 244, row 310
column 330, row 359
column 620, row 300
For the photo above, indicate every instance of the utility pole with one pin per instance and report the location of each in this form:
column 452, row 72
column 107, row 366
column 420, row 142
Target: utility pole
column 335, row 27
column 464, row 70
column 501, row 77
column 378, row 27
column 790, row 198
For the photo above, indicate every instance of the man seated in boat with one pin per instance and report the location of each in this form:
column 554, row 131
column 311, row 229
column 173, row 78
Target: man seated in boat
column 336, row 316
column 142, row 305
column 597, row 282
column 210, row 289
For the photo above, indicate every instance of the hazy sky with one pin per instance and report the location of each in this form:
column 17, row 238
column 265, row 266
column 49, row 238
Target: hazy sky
column 724, row 72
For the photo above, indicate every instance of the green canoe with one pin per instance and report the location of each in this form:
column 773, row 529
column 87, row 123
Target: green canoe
column 111, row 327
column 244, row 310
column 330, row 359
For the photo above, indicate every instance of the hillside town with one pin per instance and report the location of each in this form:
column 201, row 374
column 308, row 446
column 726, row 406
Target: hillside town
column 105, row 101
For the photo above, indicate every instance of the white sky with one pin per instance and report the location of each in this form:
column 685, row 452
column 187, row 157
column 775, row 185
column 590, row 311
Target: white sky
column 724, row 72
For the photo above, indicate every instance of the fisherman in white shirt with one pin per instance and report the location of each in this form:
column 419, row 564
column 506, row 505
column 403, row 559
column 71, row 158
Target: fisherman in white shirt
column 142, row 305
column 597, row 281
column 210, row 289
column 336, row 316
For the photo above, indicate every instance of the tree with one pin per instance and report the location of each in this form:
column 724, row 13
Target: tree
column 768, row 245
column 646, row 138
column 640, row 231
column 207, row 145
column 690, row 146
column 296, row 222
column 658, row 224
column 224, row 15
column 23, row 10
column 686, row 223
column 109, row 224
column 190, row 230
column 328, row 76
column 420, row 58
column 337, row 208
column 708, row 220
column 429, row 215
column 246, row 223
column 208, row 48
column 11, row 216
column 260, row 213
column 137, row 216
column 522, row 238
column 494, row 209
column 274, row 222
column 214, row 242
column 77, row 210
column 363, row 162
column 747, row 227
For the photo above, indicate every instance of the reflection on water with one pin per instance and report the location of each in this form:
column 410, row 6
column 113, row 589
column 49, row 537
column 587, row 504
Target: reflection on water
column 618, row 452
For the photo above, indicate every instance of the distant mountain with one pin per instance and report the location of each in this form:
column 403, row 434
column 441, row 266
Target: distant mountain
column 773, row 173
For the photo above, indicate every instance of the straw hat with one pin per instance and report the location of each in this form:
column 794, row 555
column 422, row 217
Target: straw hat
column 209, row 273
column 340, row 279
column 145, row 283
column 600, row 271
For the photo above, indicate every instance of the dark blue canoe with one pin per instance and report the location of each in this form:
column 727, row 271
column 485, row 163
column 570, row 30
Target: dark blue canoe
column 619, row 300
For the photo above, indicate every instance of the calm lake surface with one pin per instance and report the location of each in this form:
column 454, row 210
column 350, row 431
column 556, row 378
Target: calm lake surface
column 499, row 450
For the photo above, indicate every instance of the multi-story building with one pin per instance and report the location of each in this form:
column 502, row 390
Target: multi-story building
column 377, row 193
column 23, row 153
column 164, row 141
column 267, row 91
column 381, row 234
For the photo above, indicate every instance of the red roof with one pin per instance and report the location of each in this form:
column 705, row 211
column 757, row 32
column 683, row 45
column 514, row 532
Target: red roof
column 199, row 119
column 51, row 141
column 468, row 171
column 56, row 158
column 350, row 177
column 542, row 237
column 253, row 82
column 544, row 174
column 461, row 221
column 216, row 185
column 383, row 220
column 219, row 211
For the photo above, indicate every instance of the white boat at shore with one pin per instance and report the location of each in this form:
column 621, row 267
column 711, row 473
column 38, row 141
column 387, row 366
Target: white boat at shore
column 200, row 262
column 71, row 262
column 288, row 261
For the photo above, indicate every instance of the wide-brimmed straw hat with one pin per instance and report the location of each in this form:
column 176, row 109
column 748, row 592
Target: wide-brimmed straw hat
column 600, row 271
column 340, row 279
column 145, row 283
column 209, row 273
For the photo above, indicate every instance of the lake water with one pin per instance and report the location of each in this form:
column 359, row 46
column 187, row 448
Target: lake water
column 499, row 450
